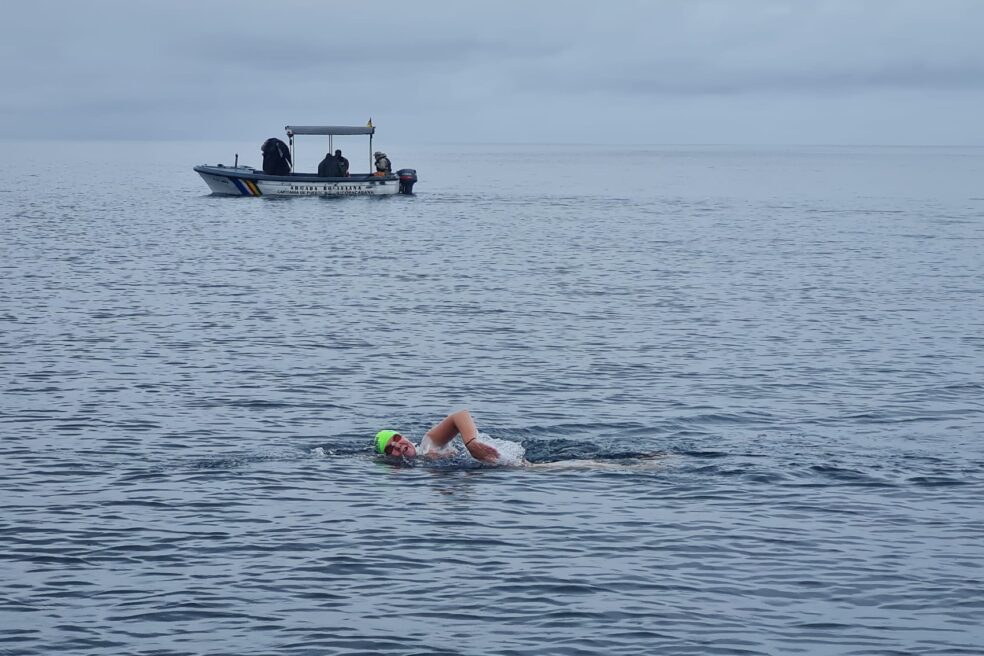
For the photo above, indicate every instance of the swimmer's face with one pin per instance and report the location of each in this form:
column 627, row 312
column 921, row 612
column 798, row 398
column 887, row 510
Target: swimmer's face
column 400, row 447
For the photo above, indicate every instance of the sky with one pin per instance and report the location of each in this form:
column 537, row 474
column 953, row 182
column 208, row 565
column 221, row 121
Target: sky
column 890, row 72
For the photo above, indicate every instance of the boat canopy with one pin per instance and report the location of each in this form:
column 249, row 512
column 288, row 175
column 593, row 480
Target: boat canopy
column 330, row 129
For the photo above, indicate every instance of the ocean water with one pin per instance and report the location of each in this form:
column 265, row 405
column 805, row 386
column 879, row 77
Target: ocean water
column 749, row 381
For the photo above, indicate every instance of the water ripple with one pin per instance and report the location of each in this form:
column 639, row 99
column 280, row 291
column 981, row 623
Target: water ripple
column 751, row 401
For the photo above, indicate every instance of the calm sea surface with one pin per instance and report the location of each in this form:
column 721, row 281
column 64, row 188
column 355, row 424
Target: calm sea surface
column 189, row 385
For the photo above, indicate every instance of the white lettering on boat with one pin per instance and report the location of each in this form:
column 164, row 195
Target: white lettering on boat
column 325, row 189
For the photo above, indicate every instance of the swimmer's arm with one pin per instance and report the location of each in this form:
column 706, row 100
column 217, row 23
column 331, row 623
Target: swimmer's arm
column 449, row 428
column 482, row 451
column 462, row 422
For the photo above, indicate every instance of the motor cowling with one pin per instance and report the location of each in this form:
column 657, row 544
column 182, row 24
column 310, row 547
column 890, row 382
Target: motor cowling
column 407, row 179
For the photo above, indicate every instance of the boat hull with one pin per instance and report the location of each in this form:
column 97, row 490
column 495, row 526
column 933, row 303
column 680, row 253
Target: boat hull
column 247, row 181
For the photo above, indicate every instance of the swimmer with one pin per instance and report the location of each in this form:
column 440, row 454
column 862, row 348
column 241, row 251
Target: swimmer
column 436, row 441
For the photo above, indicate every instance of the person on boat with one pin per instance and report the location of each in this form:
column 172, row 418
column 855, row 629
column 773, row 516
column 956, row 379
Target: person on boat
column 436, row 441
column 276, row 157
column 383, row 166
column 329, row 168
column 343, row 164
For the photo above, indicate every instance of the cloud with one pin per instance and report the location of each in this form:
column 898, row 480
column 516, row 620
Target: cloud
column 489, row 71
column 817, row 48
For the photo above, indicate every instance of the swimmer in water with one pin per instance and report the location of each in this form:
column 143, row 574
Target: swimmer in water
column 435, row 443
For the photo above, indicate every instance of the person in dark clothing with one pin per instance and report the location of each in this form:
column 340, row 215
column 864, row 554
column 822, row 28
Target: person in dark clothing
column 328, row 168
column 276, row 157
column 343, row 164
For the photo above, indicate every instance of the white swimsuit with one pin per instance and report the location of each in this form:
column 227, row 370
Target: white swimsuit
column 428, row 448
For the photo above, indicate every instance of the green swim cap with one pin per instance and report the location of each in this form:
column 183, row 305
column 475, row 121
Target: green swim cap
column 383, row 438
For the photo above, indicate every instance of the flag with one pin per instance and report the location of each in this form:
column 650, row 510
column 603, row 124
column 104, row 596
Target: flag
column 369, row 124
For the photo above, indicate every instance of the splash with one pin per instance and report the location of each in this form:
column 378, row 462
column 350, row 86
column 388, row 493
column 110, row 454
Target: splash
column 511, row 454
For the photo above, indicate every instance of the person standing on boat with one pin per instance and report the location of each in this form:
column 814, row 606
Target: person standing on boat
column 276, row 157
column 383, row 166
column 328, row 168
column 343, row 164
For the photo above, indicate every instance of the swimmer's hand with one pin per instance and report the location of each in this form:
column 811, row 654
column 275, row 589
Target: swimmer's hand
column 482, row 452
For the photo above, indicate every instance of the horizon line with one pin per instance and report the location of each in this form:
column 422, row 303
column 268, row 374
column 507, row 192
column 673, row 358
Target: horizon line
column 4, row 139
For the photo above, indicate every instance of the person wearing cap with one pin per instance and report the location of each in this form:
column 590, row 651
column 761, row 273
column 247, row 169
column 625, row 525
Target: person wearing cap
column 383, row 166
column 436, row 441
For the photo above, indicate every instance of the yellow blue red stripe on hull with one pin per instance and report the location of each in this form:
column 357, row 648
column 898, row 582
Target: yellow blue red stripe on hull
column 246, row 187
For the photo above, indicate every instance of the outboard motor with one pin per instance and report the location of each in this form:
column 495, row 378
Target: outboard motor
column 407, row 179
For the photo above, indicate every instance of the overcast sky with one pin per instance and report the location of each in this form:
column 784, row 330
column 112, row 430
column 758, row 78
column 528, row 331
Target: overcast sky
column 621, row 71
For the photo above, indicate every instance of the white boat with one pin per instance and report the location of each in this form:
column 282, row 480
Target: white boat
column 247, row 181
